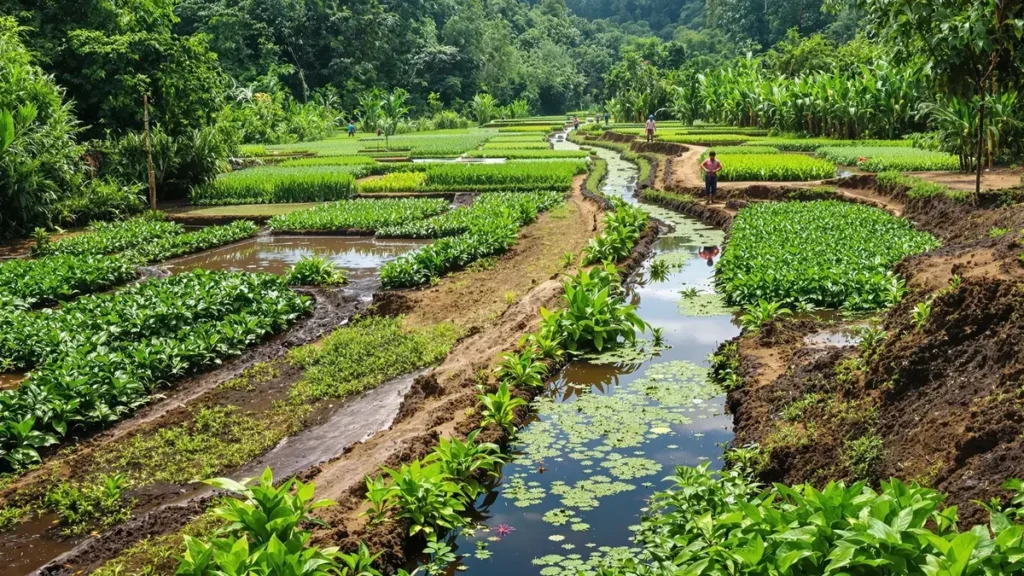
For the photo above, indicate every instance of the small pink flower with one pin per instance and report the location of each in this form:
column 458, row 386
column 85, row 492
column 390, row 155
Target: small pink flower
column 505, row 530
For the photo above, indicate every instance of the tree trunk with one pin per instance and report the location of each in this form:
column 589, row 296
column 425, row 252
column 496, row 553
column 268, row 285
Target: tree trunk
column 981, row 144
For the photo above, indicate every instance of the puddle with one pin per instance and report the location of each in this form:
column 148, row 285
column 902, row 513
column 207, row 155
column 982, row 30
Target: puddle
column 837, row 337
column 361, row 256
column 27, row 547
column 605, row 435
column 357, row 420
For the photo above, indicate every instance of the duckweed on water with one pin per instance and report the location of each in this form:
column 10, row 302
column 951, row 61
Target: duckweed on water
column 704, row 305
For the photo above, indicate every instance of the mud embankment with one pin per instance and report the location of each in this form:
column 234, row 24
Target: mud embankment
column 940, row 402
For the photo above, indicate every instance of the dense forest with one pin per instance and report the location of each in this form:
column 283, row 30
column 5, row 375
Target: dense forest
column 225, row 72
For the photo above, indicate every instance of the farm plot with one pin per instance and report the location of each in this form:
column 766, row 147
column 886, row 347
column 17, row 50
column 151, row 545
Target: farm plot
column 774, row 168
column 269, row 185
column 880, row 159
column 706, row 139
column 487, row 209
column 813, row 144
column 521, row 154
column 490, row 230
column 468, row 177
column 98, row 359
column 826, row 254
column 362, row 215
column 433, row 144
column 103, row 258
column 740, row 151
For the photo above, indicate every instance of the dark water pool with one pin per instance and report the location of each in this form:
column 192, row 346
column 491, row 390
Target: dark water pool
column 361, row 256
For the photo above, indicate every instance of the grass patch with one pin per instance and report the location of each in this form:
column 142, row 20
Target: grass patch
column 362, row 214
column 365, row 355
column 212, row 440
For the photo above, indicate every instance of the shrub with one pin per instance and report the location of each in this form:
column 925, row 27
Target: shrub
column 40, row 160
column 623, row 228
column 316, row 271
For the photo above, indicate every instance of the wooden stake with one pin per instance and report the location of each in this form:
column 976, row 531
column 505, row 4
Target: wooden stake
column 149, row 154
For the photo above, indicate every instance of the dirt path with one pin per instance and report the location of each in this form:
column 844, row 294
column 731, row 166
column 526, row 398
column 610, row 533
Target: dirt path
column 475, row 299
column 890, row 205
column 686, row 169
column 996, row 179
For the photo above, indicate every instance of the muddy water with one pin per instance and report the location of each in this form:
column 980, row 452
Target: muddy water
column 606, row 434
column 361, row 256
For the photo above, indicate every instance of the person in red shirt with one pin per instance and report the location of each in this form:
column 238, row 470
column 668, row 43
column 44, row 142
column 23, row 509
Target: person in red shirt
column 711, row 167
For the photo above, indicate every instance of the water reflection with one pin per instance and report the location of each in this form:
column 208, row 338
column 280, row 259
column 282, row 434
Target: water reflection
column 361, row 256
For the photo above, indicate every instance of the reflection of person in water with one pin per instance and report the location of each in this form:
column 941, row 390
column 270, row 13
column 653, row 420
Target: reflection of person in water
column 709, row 253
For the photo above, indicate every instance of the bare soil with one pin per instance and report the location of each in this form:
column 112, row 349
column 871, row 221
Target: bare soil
column 994, row 179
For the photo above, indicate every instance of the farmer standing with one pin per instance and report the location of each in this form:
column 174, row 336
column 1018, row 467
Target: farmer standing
column 607, row 117
column 711, row 168
column 575, row 122
column 351, row 128
column 651, row 127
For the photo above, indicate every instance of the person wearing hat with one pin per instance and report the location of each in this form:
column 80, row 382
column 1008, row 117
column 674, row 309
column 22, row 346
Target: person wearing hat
column 651, row 127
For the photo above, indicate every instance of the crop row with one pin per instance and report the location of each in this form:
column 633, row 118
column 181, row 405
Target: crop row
column 487, row 208
column 328, row 161
column 432, row 145
column 112, row 237
column 538, row 145
column 827, row 254
column 362, row 214
column 519, row 154
column 774, row 168
column 880, row 159
column 813, row 144
column 511, row 176
column 50, row 279
column 485, row 237
column 739, row 150
column 45, row 281
column 101, row 357
column 267, row 185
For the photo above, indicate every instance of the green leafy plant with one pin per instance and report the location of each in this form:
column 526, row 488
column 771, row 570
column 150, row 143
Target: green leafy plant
column 660, row 270
column 499, row 408
column 710, row 519
column 84, row 507
column 265, row 535
column 316, row 271
column 427, row 498
column 360, row 215
column 543, row 345
column 756, row 315
column 467, row 461
column 521, row 370
column 921, row 313
column 595, row 316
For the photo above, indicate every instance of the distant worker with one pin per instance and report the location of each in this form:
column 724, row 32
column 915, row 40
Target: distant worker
column 575, row 122
column 607, row 118
column 351, row 129
column 652, row 126
column 711, row 168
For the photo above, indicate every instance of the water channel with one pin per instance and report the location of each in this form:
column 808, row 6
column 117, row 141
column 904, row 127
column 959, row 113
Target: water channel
column 606, row 432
